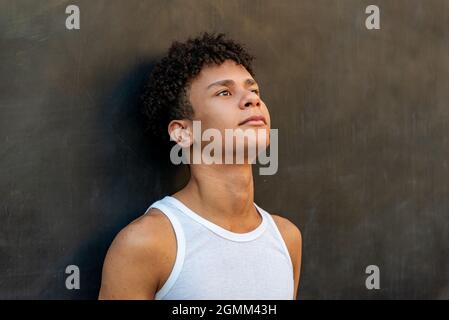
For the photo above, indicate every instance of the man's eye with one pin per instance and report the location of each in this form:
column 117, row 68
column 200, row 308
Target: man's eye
column 256, row 91
column 225, row 91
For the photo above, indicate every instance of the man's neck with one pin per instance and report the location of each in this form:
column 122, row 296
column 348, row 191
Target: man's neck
column 221, row 193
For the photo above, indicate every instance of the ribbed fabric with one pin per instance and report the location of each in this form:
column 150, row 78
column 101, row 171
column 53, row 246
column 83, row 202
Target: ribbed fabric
column 217, row 264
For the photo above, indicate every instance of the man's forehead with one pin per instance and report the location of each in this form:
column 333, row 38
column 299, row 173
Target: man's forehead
column 227, row 70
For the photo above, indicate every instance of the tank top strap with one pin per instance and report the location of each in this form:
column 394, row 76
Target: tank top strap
column 274, row 229
column 180, row 246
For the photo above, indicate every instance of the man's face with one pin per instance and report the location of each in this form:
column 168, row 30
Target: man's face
column 224, row 96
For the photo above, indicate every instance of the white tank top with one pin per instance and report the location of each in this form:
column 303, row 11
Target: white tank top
column 217, row 264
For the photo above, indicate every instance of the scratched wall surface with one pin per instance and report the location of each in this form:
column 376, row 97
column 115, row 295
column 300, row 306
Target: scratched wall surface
column 363, row 123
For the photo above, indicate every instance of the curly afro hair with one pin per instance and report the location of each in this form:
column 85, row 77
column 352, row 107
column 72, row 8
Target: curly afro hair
column 165, row 94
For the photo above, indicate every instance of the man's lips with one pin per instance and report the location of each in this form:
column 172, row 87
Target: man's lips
column 254, row 121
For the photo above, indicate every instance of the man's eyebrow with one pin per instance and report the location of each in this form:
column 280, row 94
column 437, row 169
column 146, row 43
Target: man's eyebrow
column 229, row 82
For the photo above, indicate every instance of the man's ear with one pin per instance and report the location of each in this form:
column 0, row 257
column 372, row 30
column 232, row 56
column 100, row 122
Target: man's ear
column 180, row 132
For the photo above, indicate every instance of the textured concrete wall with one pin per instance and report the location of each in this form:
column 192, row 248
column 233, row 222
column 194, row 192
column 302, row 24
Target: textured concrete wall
column 363, row 136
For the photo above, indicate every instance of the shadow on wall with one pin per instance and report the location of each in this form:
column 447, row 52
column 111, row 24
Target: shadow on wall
column 139, row 172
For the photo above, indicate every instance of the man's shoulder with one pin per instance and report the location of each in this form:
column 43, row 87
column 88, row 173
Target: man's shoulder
column 290, row 233
column 146, row 232
column 286, row 227
column 143, row 242
column 137, row 261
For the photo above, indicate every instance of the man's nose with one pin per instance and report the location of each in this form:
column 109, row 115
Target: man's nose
column 250, row 100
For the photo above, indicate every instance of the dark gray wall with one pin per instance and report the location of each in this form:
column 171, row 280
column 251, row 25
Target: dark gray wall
column 363, row 124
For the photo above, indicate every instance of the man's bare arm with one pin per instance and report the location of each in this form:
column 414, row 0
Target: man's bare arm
column 134, row 263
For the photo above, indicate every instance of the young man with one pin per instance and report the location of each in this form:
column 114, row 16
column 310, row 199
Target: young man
column 208, row 240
